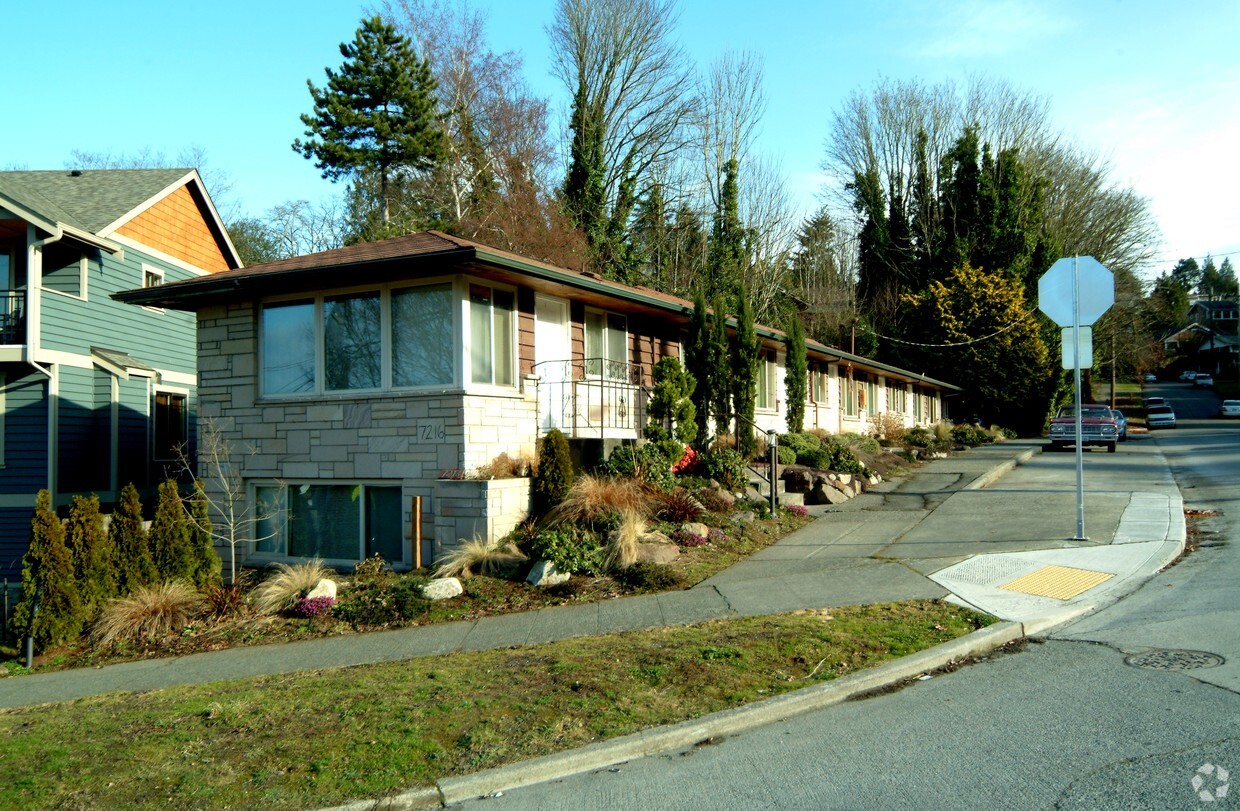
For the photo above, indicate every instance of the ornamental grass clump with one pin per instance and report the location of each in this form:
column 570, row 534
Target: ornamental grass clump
column 279, row 591
column 149, row 614
column 680, row 506
column 622, row 542
column 477, row 556
column 595, row 498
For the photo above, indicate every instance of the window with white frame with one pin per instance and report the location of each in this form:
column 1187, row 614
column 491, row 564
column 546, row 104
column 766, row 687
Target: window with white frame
column 335, row 521
column 492, row 335
column 152, row 276
column 607, row 345
column 852, row 395
column 766, row 382
column 896, row 400
column 871, row 396
column 377, row 340
column 822, row 386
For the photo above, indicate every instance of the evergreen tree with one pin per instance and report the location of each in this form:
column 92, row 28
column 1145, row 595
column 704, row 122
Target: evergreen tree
column 130, row 548
column 555, row 472
column 744, row 354
column 672, row 412
column 91, row 552
column 170, row 538
column 697, row 362
column 718, row 371
column 796, row 374
column 47, row 579
column 377, row 112
column 727, row 259
column 585, row 195
column 207, row 563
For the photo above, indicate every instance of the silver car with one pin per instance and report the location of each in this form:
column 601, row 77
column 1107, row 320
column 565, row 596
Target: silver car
column 1159, row 417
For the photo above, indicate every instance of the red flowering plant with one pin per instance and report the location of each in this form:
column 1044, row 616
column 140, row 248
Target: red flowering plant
column 687, row 463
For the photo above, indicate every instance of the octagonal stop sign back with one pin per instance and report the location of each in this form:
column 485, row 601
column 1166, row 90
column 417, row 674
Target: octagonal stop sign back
column 1096, row 289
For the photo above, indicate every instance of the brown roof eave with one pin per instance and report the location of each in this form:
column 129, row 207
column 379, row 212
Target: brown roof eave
column 233, row 286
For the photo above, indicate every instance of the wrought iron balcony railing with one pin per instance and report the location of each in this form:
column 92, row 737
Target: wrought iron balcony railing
column 12, row 317
column 591, row 397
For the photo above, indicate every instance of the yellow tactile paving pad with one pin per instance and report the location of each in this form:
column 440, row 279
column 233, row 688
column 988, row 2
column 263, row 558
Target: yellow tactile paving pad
column 1059, row 582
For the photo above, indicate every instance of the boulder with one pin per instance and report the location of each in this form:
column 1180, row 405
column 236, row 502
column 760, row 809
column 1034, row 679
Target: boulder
column 798, row 481
column 825, row 492
column 697, row 528
column 442, row 588
column 657, row 552
column 544, row 574
column 653, row 536
column 843, row 478
column 744, row 517
column 323, row 588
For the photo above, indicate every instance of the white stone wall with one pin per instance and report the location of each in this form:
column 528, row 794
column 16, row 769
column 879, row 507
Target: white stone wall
column 382, row 438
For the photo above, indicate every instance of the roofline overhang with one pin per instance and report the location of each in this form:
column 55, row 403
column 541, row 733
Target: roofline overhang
column 190, row 295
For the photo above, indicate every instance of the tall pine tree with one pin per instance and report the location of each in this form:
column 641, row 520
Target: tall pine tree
column 796, row 374
column 50, row 609
column 377, row 113
column 130, row 548
column 170, row 537
column 744, row 352
column 91, row 551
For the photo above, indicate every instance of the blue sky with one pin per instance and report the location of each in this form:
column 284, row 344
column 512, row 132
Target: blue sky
column 1154, row 87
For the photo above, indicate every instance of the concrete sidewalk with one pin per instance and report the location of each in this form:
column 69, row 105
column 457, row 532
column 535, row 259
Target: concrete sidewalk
column 917, row 537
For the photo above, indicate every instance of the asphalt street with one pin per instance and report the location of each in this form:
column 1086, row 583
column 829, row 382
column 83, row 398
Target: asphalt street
column 1133, row 706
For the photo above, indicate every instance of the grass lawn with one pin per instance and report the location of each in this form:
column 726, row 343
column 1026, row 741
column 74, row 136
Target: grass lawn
column 324, row 737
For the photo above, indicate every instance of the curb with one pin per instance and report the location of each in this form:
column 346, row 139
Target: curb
column 999, row 471
column 688, row 733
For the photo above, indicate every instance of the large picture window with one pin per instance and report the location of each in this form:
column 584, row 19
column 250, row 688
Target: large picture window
column 335, row 521
column 422, row 345
column 352, row 342
column 288, row 348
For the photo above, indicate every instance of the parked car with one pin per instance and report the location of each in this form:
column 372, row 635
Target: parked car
column 1229, row 408
column 1098, row 427
column 1187, row 377
column 1203, row 380
column 1149, row 377
column 1159, row 417
column 1121, row 422
column 1153, row 401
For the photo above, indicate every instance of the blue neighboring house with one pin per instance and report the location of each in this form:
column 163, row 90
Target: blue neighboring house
column 94, row 393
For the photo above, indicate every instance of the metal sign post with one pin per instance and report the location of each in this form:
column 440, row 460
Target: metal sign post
column 1075, row 293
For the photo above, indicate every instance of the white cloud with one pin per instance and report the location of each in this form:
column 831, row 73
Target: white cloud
column 988, row 29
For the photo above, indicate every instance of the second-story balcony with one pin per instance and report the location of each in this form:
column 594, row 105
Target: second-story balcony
column 591, row 398
column 12, row 317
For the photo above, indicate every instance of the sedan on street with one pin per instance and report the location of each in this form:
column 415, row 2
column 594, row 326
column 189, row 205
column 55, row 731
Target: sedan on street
column 1229, row 408
column 1159, row 417
column 1121, row 422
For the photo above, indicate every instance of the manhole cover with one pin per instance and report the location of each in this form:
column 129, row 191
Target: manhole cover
column 1174, row 660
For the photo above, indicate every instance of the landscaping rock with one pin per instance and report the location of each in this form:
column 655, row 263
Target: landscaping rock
column 745, row 517
column 697, row 528
column 443, row 588
column 544, row 574
column 825, row 492
column 323, row 588
column 842, row 478
column 653, row 536
column 798, row 481
column 657, row 552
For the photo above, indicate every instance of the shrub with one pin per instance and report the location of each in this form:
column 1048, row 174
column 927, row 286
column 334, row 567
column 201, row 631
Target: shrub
column 862, row 443
column 758, row 506
column 918, row 437
column 504, row 466
column 150, row 614
column 725, row 466
column 207, row 563
column 970, row 435
column 170, row 540
column 595, row 499
column 787, row 456
column 800, row 443
column 679, row 506
column 47, row 575
column 688, row 464
column 373, row 570
column 313, row 606
column 570, row 548
column 646, row 576
column 289, row 582
column 887, row 426
column 87, row 542
column 369, row 605
column 130, row 548
column 845, row 461
column 477, row 556
column 713, row 500
column 221, row 602
column 671, row 401
column 650, row 463
column 555, row 472
column 797, row 510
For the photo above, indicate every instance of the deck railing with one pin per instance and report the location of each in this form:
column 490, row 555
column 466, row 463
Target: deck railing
column 12, row 317
column 591, row 397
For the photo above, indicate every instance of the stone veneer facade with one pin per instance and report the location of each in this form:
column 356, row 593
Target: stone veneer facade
column 389, row 438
